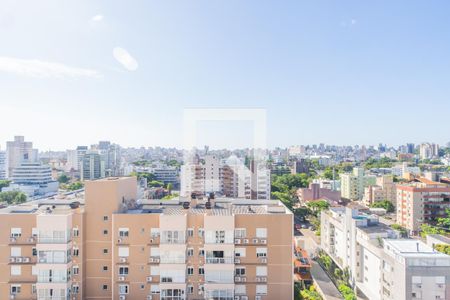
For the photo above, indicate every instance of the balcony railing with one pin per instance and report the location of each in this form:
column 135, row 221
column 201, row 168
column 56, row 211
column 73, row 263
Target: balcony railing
column 219, row 260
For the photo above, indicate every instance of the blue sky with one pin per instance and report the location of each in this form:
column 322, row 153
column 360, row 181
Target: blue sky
column 338, row 72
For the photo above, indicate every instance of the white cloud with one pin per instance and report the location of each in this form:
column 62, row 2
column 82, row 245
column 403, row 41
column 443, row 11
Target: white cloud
column 125, row 59
column 43, row 69
column 97, row 18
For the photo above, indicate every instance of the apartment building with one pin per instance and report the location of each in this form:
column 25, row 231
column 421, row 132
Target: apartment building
column 382, row 266
column 17, row 152
column 230, row 178
column 34, row 179
column 315, row 192
column 2, row 165
column 353, row 184
column 421, row 201
column 108, row 244
column 92, row 166
column 383, row 190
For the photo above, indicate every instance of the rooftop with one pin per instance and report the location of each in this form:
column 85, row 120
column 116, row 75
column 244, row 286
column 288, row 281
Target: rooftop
column 410, row 248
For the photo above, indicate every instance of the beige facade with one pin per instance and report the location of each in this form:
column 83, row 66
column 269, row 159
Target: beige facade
column 114, row 246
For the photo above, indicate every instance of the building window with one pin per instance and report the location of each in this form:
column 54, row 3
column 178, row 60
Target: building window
column 261, row 252
column 261, row 271
column 201, row 252
column 190, row 232
column 105, row 287
column 123, row 271
column 75, row 289
column 190, row 252
column 240, row 233
column 201, row 232
column 105, row 218
column 76, row 252
column 15, row 289
column 261, row 289
column 105, row 268
column 124, row 251
column 261, row 233
column 105, row 251
column 142, row 286
column 76, row 270
column 240, row 271
column 76, row 232
column 16, row 251
column 16, row 270
column 239, row 252
column 34, row 251
column 201, row 271
column 190, row 271
column 16, row 232
column 105, row 232
column 154, row 232
column 123, row 232
column 190, row 289
column 123, row 289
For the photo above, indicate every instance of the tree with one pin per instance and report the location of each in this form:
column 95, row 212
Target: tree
column 443, row 248
column 155, row 183
column 310, row 294
column 427, row 229
column 302, row 212
column 75, row 186
column 347, row 292
column 317, row 206
column 169, row 187
column 13, row 197
column 386, row 204
column 4, row 183
column 63, row 178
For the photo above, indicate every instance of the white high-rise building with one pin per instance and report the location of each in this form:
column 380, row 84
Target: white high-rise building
column 2, row 165
column 17, row 152
column 428, row 151
column 72, row 160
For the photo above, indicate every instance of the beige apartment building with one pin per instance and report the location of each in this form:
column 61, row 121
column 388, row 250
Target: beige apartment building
column 422, row 201
column 108, row 244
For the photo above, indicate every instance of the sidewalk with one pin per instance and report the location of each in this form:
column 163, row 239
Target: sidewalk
column 323, row 283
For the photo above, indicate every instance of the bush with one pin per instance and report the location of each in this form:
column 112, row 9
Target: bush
column 13, row 197
column 346, row 292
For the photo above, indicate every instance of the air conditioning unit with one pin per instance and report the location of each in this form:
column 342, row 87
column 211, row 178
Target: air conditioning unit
column 258, row 297
column 237, row 260
column 121, row 278
column 149, row 297
column 244, row 298
column 123, row 259
column 243, row 279
column 237, row 298
column 264, row 260
column 258, row 279
column 31, row 240
column 12, row 296
column 263, row 241
column 237, row 241
column 149, row 278
column 26, row 259
column 263, row 279
column 237, row 279
column 19, row 259
column 255, row 241
column 13, row 240
column 42, row 260
column 12, row 259
column 245, row 241
column 122, row 297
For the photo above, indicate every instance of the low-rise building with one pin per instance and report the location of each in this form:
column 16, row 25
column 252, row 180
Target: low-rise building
column 380, row 265
column 315, row 192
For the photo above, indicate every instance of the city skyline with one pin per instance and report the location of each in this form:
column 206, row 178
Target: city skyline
column 332, row 73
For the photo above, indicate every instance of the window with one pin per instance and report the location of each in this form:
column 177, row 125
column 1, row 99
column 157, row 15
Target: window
column 105, row 251
column 240, row 271
column 190, row 232
column 190, row 252
column 190, row 271
column 154, row 232
column 105, row 268
column 76, row 232
column 201, row 252
column 190, row 289
column 16, row 270
column 261, row 271
column 15, row 289
column 239, row 252
column 261, row 252
column 16, row 232
column 34, row 232
column 261, row 289
column 16, row 251
column 154, row 289
column 34, row 271
column 123, row 271
column 220, row 237
column 105, row 287
column 75, row 289
column 240, row 289
column 76, row 251
column 124, row 251
column 201, row 271
column 142, row 286
column 76, row 270
column 34, row 251
column 123, row 289
column 261, row 232
column 105, row 232
column 105, row 218
column 240, row 233
column 123, row 232
column 201, row 232
column 154, row 271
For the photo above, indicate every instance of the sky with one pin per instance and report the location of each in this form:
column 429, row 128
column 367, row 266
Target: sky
column 335, row 72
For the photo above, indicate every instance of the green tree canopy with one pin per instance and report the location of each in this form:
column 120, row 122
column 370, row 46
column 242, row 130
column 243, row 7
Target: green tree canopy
column 63, row 178
column 386, row 204
column 13, row 197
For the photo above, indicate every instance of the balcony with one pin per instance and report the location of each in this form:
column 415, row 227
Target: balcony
column 54, row 240
column 53, row 279
column 219, row 260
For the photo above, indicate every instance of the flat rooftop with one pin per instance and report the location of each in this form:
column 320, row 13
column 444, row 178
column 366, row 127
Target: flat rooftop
column 219, row 207
column 410, row 248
